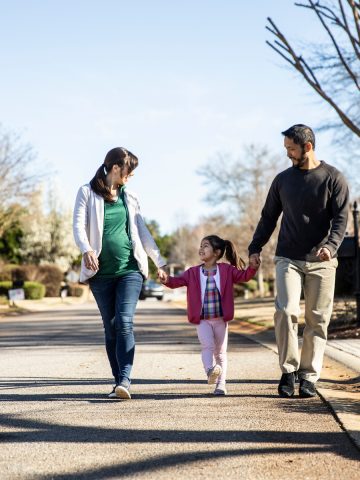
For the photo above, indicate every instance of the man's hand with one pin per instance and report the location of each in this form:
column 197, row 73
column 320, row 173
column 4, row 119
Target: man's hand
column 323, row 254
column 162, row 275
column 91, row 261
column 254, row 261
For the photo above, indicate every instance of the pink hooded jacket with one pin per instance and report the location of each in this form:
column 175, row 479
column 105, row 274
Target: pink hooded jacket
column 228, row 276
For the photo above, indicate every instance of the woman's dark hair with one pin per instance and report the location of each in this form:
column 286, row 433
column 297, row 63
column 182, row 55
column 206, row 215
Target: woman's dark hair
column 300, row 134
column 116, row 156
column 227, row 247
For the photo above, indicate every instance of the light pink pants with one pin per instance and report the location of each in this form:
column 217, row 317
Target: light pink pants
column 213, row 337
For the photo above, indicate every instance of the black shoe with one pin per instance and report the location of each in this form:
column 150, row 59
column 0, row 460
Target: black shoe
column 286, row 386
column 307, row 389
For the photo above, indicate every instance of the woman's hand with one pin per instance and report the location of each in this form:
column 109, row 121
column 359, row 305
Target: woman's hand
column 162, row 275
column 91, row 261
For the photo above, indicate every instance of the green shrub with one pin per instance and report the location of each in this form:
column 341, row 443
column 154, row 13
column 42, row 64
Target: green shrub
column 266, row 287
column 4, row 287
column 75, row 290
column 251, row 285
column 4, row 300
column 34, row 290
column 51, row 276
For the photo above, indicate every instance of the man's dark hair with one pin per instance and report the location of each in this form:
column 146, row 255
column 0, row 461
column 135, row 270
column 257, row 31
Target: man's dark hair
column 300, row 134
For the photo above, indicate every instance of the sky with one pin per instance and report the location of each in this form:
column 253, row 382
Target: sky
column 174, row 81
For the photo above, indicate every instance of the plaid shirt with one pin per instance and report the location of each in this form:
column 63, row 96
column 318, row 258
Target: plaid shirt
column 212, row 300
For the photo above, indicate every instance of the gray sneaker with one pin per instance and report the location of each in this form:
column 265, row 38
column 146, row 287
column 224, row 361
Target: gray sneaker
column 213, row 374
column 122, row 391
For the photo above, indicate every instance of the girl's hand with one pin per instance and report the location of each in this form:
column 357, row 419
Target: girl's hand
column 91, row 261
column 254, row 261
column 162, row 275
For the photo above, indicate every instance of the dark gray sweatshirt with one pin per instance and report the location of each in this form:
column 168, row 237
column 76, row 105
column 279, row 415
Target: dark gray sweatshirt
column 315, row 208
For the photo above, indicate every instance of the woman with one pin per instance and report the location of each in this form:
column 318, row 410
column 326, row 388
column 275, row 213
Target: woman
column 115, row 243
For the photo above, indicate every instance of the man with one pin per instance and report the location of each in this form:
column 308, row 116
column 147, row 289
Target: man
column 313, row 197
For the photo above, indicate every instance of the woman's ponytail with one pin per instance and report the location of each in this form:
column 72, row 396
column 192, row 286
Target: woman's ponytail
column 116, row 156
column 98, row 183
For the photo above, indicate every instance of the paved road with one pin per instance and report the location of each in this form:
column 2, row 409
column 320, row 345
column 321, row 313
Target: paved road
column 56, row 422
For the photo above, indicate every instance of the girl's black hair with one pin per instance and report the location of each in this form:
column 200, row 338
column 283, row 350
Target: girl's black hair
column 227, row 247
column 116, row 156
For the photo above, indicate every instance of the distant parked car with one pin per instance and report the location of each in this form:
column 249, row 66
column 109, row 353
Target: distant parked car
column 151, row 289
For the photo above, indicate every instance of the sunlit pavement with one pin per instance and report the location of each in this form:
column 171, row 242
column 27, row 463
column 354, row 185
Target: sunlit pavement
column 56, row 421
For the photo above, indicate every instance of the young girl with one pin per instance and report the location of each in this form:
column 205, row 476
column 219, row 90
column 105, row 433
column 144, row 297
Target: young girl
column 210, row 300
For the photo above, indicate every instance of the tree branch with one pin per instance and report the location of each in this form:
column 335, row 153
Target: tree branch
column 355, row 8
column 344, row 25
column 336, row 46
column 302, row 67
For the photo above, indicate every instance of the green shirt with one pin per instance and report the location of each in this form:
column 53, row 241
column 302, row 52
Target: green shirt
column 117, row 257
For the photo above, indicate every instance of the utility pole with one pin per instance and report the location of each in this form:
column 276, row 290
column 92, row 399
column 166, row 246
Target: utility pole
column 357, row 261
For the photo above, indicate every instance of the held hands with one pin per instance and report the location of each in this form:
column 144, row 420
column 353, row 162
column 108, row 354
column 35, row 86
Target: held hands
column 162, row 275
column 254, row 261
column 91, row 261
column 323, row 254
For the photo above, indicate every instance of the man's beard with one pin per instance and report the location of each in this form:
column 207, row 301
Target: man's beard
column 300, row 162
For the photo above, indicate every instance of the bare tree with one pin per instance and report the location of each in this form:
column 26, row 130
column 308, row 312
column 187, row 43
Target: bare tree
column 18, row 176
column 184, row 251
column 333, row 69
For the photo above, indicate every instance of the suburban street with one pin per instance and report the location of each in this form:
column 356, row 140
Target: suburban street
column 57, row 423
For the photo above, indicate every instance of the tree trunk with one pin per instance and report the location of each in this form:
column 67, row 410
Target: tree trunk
column 261, row 282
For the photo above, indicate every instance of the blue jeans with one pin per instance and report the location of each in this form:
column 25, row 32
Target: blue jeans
column 117, row 298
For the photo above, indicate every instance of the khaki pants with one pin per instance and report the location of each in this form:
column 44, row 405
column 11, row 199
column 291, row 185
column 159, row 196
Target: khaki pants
column 318, row 282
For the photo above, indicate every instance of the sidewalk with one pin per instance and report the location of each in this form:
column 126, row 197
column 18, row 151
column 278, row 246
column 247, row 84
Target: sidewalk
column 339, row 385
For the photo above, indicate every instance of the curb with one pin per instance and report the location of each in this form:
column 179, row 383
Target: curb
column 342, row 356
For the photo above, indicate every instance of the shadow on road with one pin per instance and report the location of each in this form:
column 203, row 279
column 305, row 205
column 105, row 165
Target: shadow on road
column 181, row 459
column 282, row 443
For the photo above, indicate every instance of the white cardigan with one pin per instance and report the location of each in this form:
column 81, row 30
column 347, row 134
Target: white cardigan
column 88, row 226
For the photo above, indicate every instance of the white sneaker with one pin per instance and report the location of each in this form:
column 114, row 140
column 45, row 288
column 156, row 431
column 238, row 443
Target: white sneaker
column 121, row 391
column 220, row 391
column 112, row 394
column 213, row 374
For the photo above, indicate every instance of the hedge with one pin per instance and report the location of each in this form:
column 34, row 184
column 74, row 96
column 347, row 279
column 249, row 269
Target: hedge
column 75, row 290
column 49, row 275
column 32, row 290
column 4, row 287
